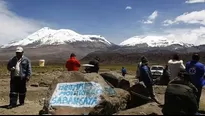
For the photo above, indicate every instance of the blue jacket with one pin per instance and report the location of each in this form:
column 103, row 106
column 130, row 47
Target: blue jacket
column 124, row 71
column 196, row 70
column 146, row 75
column 25, row 67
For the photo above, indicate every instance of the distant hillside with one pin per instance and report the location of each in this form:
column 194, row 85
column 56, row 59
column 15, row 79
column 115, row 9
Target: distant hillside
column 129, row 58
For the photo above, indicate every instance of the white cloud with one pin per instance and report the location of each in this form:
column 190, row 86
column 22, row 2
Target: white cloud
column 167, row 22
column 194, row 1
column 128, row 8
column 14, row 27
column 192, row 36
column 148, row 22
column 195, row 17
column 151, row 18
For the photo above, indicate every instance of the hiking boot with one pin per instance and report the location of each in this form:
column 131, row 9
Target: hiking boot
column 21, row 104
column 11, row 106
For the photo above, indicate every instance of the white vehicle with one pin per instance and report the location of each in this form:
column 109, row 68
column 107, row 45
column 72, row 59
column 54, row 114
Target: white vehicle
column 157, row 70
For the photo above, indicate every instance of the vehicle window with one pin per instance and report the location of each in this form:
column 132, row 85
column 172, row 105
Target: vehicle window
column 154, row 68
column 157, row 68
column 160, row 68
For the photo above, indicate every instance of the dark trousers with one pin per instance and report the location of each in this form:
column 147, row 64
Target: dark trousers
column 198, row 94
column 150, row 90
column 17, row 89
column 123, row 74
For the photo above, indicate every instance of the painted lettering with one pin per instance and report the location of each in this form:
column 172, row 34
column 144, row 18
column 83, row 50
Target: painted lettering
column 94, row 101
column 77, row 94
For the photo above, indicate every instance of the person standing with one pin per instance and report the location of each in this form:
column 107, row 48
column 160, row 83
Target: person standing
column 123, row 71
column 20, row 73
column 196, row 70
column 138, row 69
column 175, row 65
column 164, row 79
column 146, row 76
column 72, row 63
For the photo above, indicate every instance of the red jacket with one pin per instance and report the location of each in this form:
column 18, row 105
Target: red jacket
column 72, row 64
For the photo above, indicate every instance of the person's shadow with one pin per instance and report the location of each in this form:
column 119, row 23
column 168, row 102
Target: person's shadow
column 6, row 106
column 201, row 112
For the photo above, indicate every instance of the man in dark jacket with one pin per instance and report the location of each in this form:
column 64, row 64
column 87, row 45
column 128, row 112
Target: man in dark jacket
column 20, row 72
column 164, row 79
column 196, row 70
column 146, row 76
column 138, row 69
column 94, row 62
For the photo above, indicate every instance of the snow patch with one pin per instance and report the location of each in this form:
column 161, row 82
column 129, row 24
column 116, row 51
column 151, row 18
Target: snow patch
column 47, row 36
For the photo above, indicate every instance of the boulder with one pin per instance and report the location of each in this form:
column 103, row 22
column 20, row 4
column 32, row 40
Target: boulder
column 116, row 80
column 139, row 95
column 111, row 100
column 146, row 109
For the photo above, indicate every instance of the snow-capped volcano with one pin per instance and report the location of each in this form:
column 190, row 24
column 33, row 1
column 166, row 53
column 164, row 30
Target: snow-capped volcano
column 47, row 36
column 152, row 41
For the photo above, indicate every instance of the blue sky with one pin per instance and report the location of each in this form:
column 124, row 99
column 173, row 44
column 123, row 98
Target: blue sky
column 109, row 18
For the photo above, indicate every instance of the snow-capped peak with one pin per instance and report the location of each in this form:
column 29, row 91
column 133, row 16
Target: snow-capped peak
column 152, row 41
column 47, row 36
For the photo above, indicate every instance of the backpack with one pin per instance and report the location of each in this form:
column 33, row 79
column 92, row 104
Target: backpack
column 180, row 99
column 96, row 66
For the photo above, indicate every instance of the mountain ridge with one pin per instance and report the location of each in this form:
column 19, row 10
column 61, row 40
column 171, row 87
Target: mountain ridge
column 152, row 41
column 47, row 36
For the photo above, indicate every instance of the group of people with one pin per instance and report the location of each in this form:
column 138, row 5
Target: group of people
column 20, row 73
column 185, row 83
column 182, row 94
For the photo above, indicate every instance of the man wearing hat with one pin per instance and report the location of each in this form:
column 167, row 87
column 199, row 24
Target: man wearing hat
column 138, row 69
column 96, row 67
column 146, row 77
column 20, row 72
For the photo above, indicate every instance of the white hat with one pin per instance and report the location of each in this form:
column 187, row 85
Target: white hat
column 19, row 49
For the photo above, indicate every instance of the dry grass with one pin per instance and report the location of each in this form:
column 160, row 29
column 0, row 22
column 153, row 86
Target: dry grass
column 51, row 68
column 202, row 106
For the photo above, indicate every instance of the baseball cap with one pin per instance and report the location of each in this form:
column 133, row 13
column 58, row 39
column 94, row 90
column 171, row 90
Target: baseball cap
column 19, row 49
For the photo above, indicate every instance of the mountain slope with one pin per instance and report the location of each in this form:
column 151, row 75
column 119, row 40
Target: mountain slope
column 55, row 45
column 152, row 41
column 47, row 36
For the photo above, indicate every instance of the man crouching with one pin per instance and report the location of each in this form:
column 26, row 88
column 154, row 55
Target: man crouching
column 180, row 96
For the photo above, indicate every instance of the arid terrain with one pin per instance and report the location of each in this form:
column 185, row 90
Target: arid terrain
column 42, row 76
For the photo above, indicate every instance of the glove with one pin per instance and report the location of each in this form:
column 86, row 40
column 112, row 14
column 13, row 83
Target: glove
column 27, row 79
column 13, row 68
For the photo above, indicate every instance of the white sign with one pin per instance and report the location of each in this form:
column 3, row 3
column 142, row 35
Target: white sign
column 77, row 94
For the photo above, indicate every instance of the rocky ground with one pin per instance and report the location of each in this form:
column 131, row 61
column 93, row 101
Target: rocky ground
column 37, row 89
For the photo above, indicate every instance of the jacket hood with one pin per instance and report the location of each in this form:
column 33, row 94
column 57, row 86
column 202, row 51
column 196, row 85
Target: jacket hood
column 175, row 61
